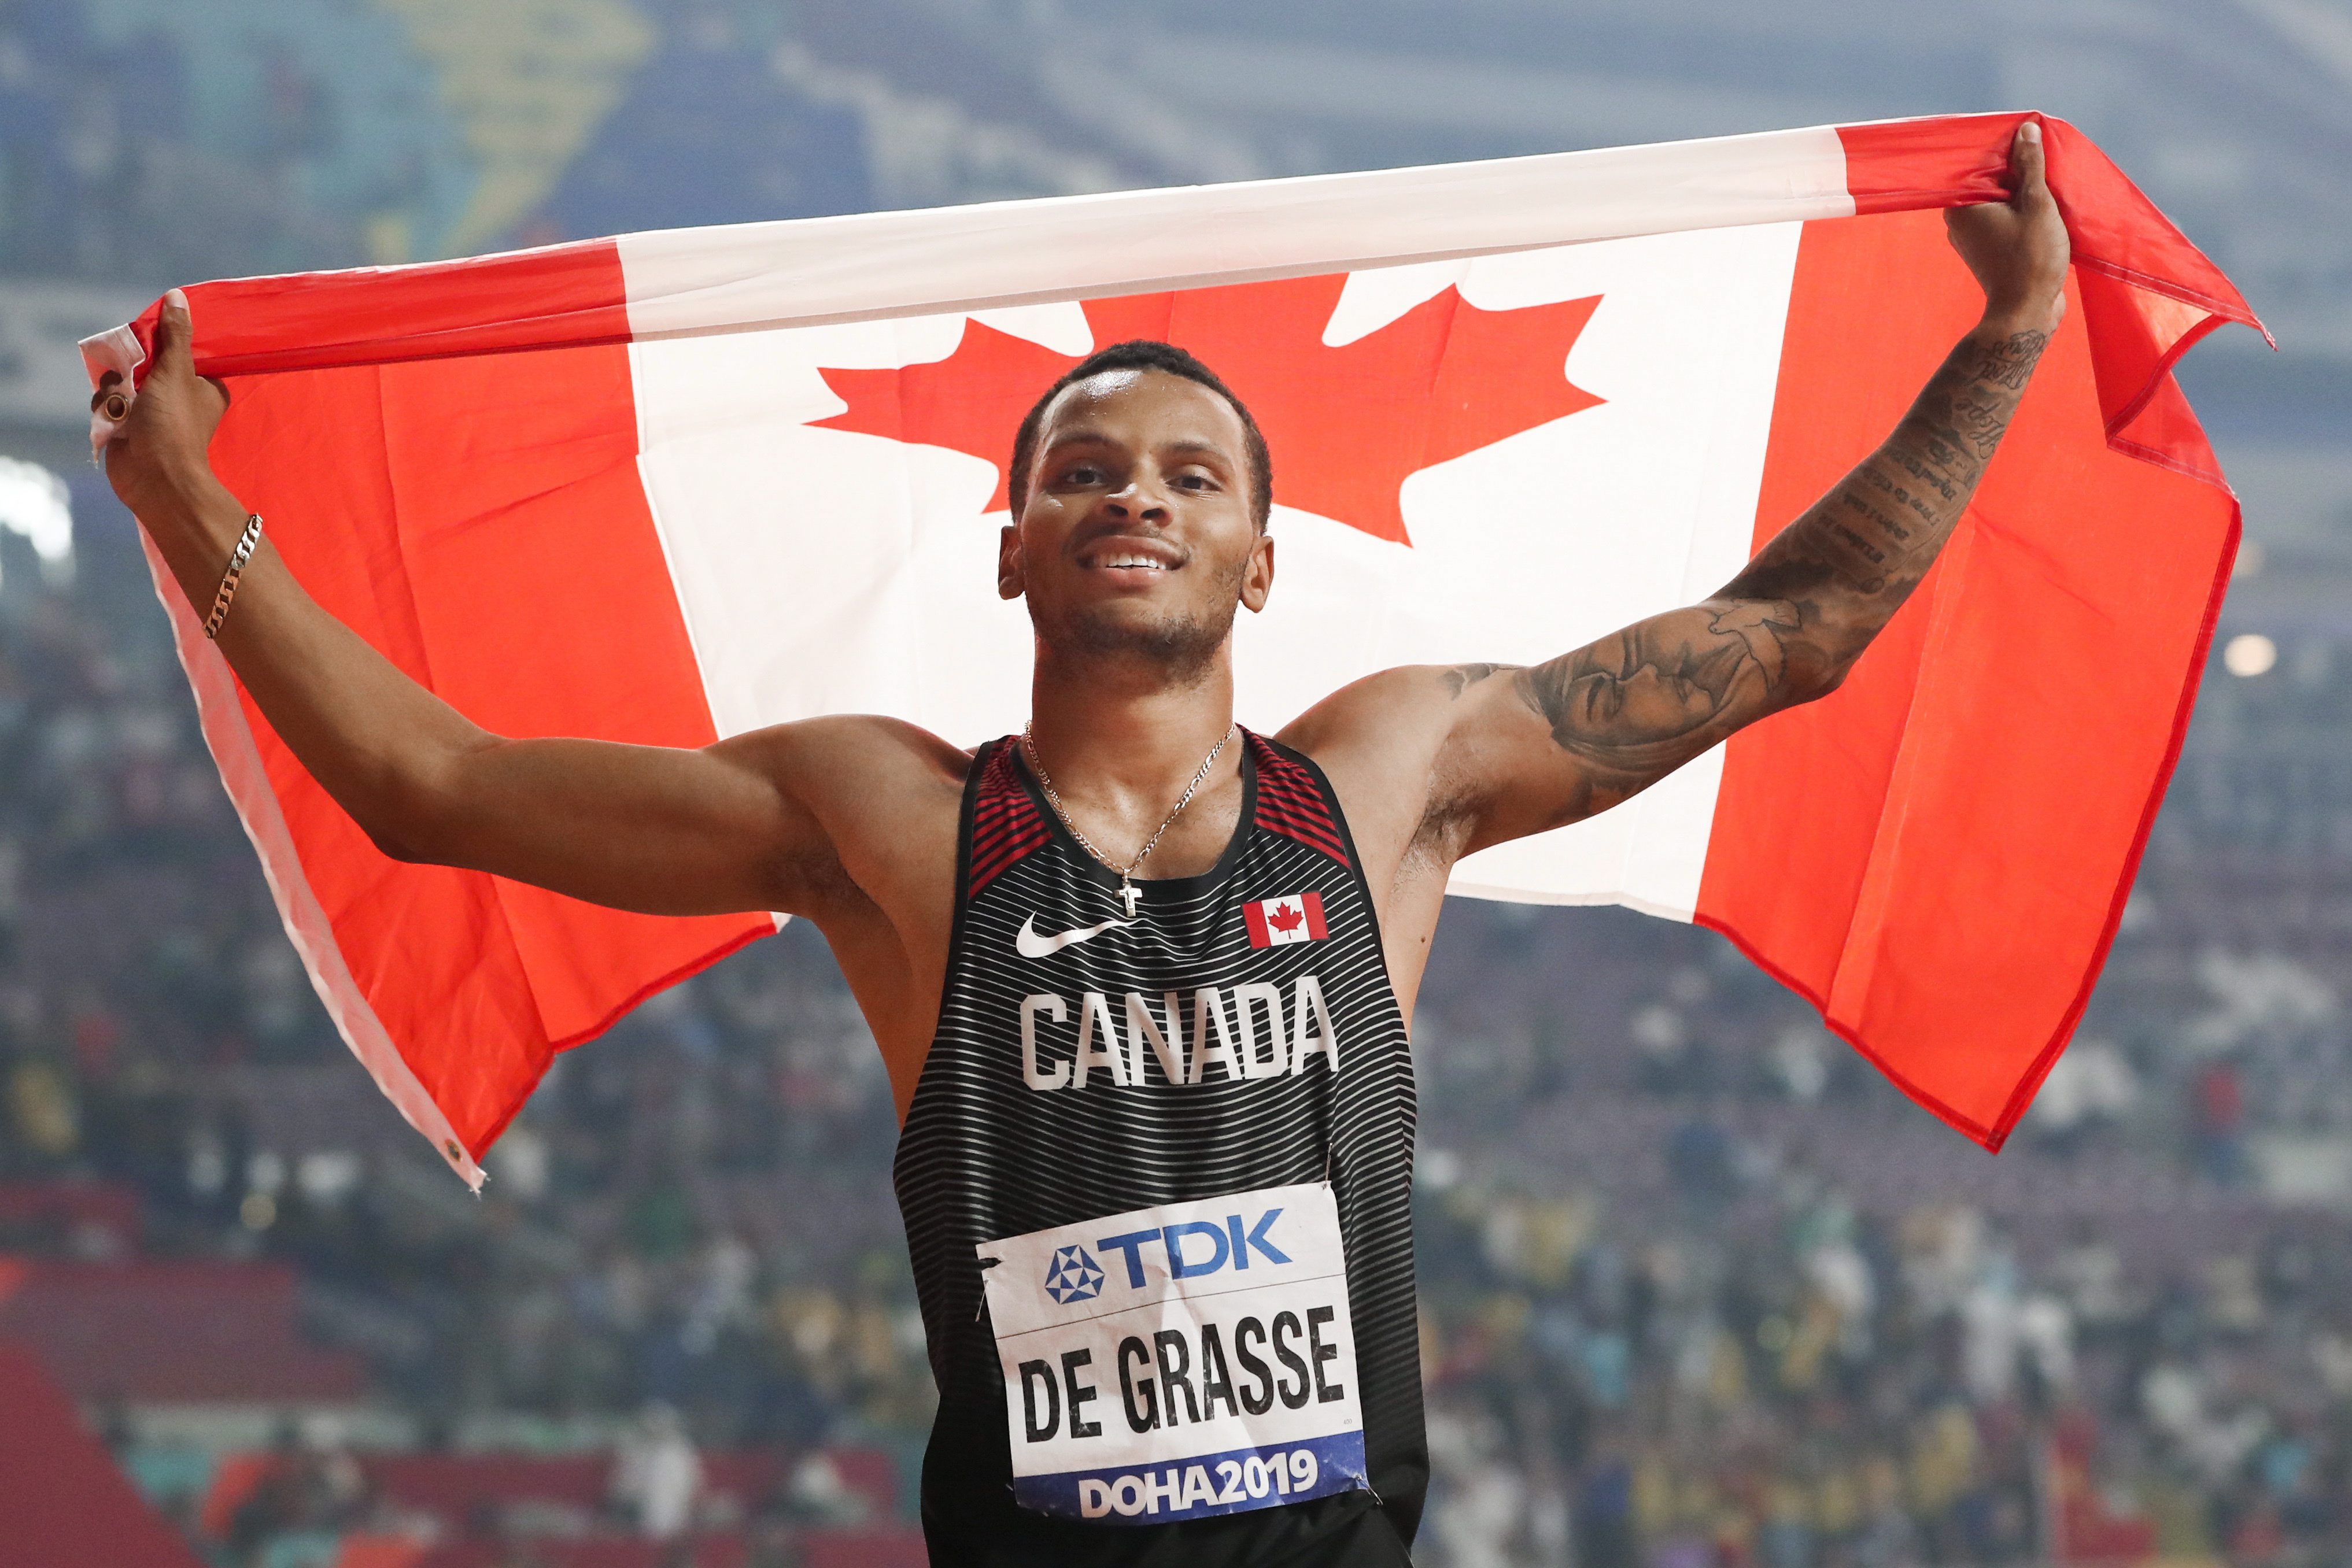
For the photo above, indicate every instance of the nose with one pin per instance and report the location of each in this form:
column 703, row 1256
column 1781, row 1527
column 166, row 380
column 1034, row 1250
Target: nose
column 1137, row 500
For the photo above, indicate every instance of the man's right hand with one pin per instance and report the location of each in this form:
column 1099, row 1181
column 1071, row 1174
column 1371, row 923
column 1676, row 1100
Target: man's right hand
column 157, row 461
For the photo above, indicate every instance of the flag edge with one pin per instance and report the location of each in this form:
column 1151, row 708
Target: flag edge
column 237, row 758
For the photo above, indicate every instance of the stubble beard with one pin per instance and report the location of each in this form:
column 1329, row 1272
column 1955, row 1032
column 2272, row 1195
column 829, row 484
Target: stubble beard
column 1177, row 649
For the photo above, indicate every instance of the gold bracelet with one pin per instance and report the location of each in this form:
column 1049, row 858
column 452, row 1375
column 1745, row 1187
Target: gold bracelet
column 237, row 558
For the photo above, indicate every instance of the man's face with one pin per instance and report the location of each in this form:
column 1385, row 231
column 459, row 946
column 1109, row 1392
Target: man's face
column 1137, row 540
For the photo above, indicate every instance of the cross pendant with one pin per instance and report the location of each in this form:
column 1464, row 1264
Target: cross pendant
column 1131, row 894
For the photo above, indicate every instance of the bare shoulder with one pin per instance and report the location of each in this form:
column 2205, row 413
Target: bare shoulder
column 1383, row 741
column 844, row 757
column 882, row 797
column 882, row 793
column 1391, row 718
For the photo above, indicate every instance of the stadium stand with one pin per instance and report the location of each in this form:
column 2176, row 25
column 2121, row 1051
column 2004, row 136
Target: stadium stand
column 67, row 1505
column 1699, row 1288
column 178, row 1330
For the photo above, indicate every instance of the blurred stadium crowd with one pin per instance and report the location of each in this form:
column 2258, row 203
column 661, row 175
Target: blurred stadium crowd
column 1701, row 1289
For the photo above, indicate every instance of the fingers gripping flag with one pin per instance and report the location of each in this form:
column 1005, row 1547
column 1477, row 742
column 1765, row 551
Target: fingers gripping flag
column 1513, row 406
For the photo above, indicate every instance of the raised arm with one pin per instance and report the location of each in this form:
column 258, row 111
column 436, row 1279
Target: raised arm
column 1531, row 749
column 646, row 828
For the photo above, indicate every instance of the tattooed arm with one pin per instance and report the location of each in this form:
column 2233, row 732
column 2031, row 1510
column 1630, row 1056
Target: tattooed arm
column 1531, row 749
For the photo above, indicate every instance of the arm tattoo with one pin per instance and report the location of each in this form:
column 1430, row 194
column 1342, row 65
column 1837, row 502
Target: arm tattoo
column 1637, row 703
column 1462, row 677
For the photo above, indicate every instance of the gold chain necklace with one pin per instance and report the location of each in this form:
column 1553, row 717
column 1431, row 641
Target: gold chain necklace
column 1128, row 891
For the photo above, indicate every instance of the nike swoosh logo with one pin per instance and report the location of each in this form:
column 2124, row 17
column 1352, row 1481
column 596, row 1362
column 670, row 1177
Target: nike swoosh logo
column 1032, row 946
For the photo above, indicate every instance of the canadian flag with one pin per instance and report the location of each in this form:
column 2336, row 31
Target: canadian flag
column 1274, row 921
column 675, row 486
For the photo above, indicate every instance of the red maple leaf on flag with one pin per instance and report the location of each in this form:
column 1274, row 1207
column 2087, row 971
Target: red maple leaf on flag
column 1288, row 917
column 1347, row 425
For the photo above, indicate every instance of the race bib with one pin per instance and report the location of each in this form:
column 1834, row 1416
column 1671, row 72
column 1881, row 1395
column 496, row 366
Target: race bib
column 1179, row 1361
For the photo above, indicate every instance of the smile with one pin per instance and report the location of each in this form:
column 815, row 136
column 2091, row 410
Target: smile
column 1129, row 554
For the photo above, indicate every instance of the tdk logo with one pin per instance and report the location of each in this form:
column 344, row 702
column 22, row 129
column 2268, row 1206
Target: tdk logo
column 1194, row 1247
column 1073, row 1277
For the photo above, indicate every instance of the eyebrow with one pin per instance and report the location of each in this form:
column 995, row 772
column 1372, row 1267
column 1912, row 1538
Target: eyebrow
column 1086, row 434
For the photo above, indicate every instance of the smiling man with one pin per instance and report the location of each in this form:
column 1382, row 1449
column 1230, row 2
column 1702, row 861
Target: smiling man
column 1141, row 977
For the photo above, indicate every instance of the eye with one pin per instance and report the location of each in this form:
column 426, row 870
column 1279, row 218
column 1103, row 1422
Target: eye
column 1082, row 473
column 1193, row 480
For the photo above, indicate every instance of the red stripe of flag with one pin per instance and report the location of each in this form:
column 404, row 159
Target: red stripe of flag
column 566, row 296
column 1315, row 929
column 1897, row 877
column 480, row 979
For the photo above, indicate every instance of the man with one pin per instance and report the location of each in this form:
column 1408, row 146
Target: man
column 1140, row 979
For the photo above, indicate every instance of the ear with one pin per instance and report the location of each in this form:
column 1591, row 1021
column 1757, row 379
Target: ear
column 1257, row 576
column 1011, row 579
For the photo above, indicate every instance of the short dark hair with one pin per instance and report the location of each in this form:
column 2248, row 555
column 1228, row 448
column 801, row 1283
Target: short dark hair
column 1144, row 354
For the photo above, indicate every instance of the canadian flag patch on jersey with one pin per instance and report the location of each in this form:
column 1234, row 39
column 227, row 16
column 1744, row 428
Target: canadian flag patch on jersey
column 1274, row 921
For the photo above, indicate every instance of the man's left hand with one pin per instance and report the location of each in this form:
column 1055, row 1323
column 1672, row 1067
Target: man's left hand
column 2017, row 248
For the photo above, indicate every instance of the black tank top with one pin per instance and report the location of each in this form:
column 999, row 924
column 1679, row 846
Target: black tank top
column 985, row 1156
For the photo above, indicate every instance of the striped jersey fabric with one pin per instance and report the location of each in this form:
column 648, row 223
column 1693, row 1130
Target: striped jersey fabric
column 999, row 1141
